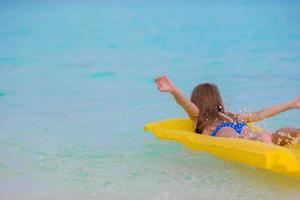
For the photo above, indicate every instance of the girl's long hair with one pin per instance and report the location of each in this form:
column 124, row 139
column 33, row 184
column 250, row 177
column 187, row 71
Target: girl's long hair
column 207, row 98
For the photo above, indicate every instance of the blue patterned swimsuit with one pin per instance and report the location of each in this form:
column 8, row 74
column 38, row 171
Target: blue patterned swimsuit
column 237, row 126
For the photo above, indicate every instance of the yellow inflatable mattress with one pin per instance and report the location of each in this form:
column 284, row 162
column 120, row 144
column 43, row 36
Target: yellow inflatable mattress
column 267, row 156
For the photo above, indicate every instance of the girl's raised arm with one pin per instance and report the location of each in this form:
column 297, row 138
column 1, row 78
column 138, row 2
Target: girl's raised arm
column 164, row 84
column 270, row 111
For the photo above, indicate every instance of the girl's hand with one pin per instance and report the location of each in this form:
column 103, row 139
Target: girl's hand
column 164, row 84
column 296, row 102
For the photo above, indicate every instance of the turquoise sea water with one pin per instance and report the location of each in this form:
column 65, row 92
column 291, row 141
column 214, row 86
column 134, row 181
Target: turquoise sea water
column 76, row 88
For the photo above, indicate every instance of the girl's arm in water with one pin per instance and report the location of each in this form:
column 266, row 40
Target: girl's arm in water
column 164, row 84
column 270, row 111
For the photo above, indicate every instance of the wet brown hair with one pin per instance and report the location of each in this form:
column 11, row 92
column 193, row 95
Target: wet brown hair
column 207, row 98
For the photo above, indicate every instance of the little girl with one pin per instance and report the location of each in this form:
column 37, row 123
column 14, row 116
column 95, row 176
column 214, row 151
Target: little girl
column 207, row 110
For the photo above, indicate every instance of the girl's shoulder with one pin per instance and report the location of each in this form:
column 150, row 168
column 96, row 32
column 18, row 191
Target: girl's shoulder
column 208, row 129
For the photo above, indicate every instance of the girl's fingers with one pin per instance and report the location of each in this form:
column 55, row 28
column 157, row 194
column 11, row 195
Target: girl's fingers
column 157, row 79
column 158, row 84
column 167, row 79
column 161, row 80
column 161, row 77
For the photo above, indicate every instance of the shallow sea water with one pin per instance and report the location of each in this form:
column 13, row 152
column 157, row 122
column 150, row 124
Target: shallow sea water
column 76, row 88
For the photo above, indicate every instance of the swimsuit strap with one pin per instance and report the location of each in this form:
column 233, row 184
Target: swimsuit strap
column 237, row 126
